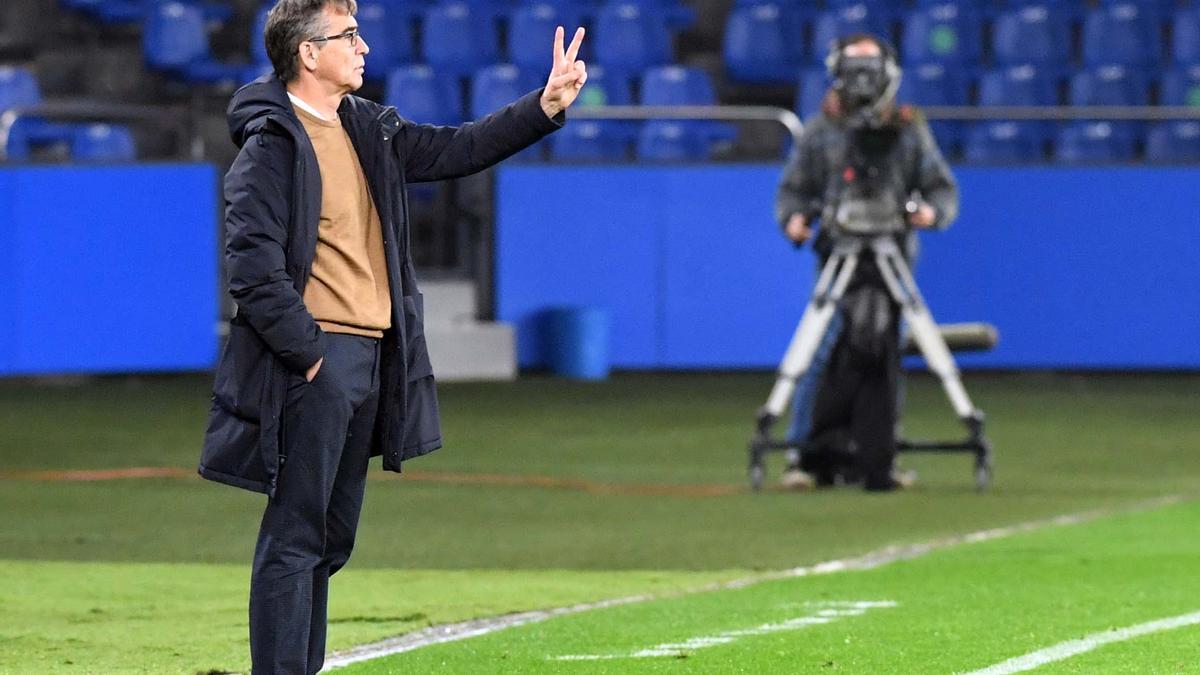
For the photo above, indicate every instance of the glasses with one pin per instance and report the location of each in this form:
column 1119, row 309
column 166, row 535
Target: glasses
column 350, row 36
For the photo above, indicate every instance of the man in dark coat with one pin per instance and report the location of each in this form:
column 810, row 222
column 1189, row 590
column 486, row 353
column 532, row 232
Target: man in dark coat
column 326, row 363
column 860, row 142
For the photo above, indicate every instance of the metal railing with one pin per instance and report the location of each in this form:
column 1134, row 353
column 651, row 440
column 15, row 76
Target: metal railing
column 722, row 113
column 1062, row 113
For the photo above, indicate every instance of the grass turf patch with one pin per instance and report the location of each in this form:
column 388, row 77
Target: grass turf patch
column 1063, row 444
column 956, row 610
column 189, row 618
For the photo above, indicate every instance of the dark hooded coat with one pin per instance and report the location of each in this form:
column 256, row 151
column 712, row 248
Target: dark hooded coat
column 273, row 206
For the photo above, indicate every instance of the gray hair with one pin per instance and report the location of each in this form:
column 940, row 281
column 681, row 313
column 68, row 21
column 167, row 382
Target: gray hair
column 291, row 22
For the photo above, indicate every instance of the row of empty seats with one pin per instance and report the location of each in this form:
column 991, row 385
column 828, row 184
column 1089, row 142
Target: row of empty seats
column 421, row 94
column 765, row 39
column 33, row 136
column 437, row 62
column 454, row 36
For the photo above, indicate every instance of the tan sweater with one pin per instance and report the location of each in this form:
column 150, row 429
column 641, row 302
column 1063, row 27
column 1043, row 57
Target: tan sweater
column 347, row 291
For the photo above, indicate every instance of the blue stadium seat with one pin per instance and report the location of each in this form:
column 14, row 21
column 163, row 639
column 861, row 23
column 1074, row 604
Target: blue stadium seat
column 761, row 44
column 605, row 87
column 1025, row 85
column 590, row 141
column 1017, row 85
column 1182, row 86
column 20, row 142
column 814, row 83
column 1002, row 143
column 1065, row 13
column 497, row 85
column 679, row 139
column 631, row 37
column 888, row 9
column 173, row 37
column 1175, row 142
column 1031, row 34
column 103, row 143
column 677, row 14
column 679, row 86
column 936, row 84
column 457, row 39
column 1109, row 85
column 1123, row 33
column 1159, row 7
column 424, row 96
column 174, row 41
column 258, row 46
column 134, row 11
column 389, row 38
column 584, row 10
column 840, row 22
column 945, row 32
column 668, row 141
column 1185, row 32
column 597, row 140
column 120, row 11
column 1085, row 142
column 19, row 89
column 494, row 87
column 531, row 28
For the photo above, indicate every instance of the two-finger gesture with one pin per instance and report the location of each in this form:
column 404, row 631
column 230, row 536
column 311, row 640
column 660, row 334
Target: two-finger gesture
column 566, row 77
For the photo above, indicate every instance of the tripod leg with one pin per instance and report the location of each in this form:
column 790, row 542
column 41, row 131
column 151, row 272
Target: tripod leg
column 807, row 337
column 924, row 331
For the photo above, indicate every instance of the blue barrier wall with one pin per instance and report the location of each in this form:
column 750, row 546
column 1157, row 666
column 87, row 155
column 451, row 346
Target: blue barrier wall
column 108, row 269
column 1078, row 268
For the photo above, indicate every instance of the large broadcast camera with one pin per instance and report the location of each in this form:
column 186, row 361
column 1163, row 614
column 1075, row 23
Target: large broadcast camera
column 870, row 217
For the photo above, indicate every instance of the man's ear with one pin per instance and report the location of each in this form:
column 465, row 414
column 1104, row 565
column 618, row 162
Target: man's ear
column 308, row 55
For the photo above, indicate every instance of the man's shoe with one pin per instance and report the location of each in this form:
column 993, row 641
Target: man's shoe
column 795, row 479
column 904, row 478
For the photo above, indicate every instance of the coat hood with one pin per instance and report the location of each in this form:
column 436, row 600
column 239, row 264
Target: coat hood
column 254, row 103
column 267, row 98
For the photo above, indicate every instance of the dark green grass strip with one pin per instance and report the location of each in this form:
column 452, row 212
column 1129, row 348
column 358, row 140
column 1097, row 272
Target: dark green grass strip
column 1063, row 444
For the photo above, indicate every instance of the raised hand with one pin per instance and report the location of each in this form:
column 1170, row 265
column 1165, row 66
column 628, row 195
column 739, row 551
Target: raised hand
column 566, row 77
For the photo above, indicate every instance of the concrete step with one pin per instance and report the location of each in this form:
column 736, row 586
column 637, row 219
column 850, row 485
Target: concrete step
column 472, row 351
column 448, row 302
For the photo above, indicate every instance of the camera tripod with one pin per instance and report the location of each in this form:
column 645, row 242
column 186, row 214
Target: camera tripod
column 835, row 276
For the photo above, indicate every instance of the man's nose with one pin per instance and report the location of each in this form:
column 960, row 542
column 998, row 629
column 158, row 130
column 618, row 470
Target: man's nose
column 363, row 47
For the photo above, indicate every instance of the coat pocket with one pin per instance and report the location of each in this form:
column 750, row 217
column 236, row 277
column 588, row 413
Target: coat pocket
column 417, row 352
column 242, row 372
column 422, row 422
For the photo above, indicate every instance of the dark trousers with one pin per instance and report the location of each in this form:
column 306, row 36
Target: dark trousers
column 859, row 393
column 308, row 528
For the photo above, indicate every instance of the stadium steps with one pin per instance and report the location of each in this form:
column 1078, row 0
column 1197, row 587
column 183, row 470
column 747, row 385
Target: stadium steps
column 461, row 347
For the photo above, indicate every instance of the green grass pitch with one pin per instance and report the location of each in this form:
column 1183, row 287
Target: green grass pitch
column 551, row 493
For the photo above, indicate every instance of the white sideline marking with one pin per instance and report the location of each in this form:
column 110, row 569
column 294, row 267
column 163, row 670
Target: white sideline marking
column 675, row 649
column 1065, row 650
column 467, row 629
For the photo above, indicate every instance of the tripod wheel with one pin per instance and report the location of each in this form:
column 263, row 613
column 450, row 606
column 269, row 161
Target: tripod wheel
column 983, row 468
column 983, row 478
column 757, row 472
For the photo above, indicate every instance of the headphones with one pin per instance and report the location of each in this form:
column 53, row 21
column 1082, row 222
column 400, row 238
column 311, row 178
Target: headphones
column 833, row 60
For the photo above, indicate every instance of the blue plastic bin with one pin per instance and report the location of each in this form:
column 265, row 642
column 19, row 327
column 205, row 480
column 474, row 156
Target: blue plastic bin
column 578, row 340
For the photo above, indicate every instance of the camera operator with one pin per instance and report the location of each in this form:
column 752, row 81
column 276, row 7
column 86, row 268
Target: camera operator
column 862, row 159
